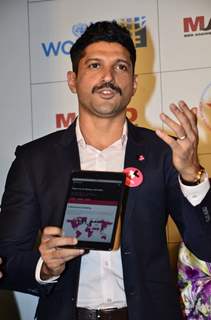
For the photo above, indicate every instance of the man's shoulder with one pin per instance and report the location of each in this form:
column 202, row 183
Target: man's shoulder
column 47, row 142
column 52, row 137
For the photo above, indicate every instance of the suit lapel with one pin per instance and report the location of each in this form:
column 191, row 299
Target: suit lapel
column 67, row 160
column 135, row 157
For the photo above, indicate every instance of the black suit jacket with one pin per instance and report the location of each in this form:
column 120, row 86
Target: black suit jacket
column 34, row 197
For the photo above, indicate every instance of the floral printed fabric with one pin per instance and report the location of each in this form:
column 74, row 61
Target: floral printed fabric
column 194, row 280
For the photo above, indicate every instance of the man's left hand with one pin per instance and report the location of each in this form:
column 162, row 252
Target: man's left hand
column 184, row 147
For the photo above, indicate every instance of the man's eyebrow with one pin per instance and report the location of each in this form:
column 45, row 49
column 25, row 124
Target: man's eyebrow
column 124, row 61
column 87, row 60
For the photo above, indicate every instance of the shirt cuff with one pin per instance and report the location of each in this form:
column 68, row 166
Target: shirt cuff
column 37, row 274
column 195, row 194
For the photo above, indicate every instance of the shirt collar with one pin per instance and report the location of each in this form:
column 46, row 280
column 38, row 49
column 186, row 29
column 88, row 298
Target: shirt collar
column 82, row 142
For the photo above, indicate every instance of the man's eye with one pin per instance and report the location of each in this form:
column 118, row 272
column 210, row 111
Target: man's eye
column 94, row 65
column 121, row 67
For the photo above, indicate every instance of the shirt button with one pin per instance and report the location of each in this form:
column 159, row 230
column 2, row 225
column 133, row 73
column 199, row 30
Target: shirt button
column 127, row 252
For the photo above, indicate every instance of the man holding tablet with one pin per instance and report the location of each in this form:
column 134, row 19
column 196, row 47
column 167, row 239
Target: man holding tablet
column 163, row 176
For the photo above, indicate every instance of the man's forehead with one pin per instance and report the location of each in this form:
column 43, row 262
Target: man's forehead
column 106, row 48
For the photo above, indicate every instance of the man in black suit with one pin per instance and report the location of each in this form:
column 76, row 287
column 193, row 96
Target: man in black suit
column 164, row 177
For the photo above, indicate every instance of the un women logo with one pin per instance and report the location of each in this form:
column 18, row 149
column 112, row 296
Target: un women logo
column 78, row 29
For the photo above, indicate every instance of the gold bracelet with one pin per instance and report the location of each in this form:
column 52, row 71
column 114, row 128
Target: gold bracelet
column 196, row 181
column 199, row 175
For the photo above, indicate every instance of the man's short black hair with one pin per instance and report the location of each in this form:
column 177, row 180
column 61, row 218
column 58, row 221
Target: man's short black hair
column 109, row 31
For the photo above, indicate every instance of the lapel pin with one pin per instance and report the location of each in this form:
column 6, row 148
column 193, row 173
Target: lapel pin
column 134, row 177
column 141, row 157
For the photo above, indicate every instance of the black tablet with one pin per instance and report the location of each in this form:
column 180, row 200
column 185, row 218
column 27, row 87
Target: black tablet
column 93, row 208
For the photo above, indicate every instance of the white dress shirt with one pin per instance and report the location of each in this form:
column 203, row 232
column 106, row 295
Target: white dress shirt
column 101, row 277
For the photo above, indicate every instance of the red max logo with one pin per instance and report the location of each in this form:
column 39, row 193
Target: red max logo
column 198, row 24
column 64, row 120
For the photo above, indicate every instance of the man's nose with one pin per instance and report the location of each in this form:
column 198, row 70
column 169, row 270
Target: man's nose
column 108, row 74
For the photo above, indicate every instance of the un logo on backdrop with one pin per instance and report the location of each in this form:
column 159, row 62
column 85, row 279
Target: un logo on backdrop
column 78, row 29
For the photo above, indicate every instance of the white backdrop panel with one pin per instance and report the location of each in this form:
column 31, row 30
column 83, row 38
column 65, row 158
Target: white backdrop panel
column 15, row 110
column 177, row 50
column 49, row 100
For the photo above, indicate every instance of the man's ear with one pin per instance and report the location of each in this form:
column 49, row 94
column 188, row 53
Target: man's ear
column 71, row 80
column 135, row 83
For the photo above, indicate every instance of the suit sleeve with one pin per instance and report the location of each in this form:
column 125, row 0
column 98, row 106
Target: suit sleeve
column 193, row 222
column 19, row 229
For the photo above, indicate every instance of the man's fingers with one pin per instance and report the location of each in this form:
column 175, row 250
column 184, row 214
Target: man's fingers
column 173, row 125
column 53, row 246
column 57, row 241
column 56, row 259
column 65, row 255
column 166, row 138
column 49, row 232
column 186, row 126
column 185, row 116
column 56, row 250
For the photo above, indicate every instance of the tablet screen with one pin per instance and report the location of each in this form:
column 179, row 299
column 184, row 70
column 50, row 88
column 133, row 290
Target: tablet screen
column 92, row 208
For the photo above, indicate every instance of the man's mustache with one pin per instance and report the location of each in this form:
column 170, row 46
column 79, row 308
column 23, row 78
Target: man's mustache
column 107, row 85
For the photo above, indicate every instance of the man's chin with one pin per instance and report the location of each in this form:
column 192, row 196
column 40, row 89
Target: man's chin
column 108, row 114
